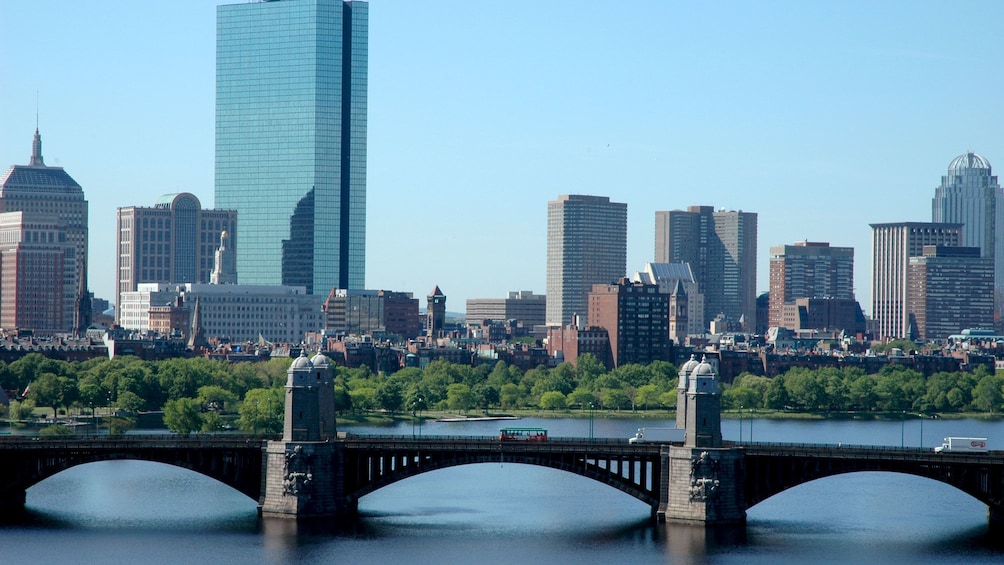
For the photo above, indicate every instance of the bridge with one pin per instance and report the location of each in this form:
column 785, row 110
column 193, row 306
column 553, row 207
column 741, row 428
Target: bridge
column 370, row 463
column 313, row 471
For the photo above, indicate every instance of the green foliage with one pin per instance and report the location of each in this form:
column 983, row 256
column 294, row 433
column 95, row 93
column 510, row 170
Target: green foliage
column 262, row 411
column 552, row 400
column 55, row 430
column 182, row 415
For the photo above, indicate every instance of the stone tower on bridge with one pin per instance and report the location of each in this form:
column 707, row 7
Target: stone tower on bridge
column 303, row 470
column 702, row 478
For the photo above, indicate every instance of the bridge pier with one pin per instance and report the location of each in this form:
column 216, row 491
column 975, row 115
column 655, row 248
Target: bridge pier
column 305, row 480
column 702, row 485
column 12, row 502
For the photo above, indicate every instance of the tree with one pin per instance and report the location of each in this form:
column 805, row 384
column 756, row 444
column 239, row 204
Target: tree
column 988, row 395
column 776, row 396
column 50, row 390
column 263, row 411
column 647, row 395
column 459, row 397
column 182, row 416
column 552, row 400
column 214, row 398
column 390, row 396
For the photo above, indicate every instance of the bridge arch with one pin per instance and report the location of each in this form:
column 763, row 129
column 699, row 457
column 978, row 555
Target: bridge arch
column 238, row 464
column 634, row 472
column 770, row 471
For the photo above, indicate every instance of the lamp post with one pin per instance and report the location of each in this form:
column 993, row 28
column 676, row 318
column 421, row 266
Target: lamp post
column 591, row 407
column 751, row 425
column 902, row 429
column 921, row 430
column 740, row 423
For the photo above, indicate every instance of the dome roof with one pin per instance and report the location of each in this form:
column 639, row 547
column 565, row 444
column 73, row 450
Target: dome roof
column 689, row 366
column 703, row 369
column 301, row 362
column 320, row 361
column 968, row 160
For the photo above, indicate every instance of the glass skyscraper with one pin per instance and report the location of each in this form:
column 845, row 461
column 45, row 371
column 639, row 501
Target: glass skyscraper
column 970, row 195
column 291, row 80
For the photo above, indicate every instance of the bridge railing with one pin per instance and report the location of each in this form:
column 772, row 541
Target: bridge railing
column 863, row 451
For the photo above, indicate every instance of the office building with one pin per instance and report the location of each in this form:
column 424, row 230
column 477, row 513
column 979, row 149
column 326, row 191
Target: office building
column 636, row 317
column 237, row 312
column 686, row 299
column 51, row 196
column 720, row 248
column 892, row 247
column 36, row 272
column 970, row 195
column 950, row 289
column 586, row 245
column 363, row 312
column 291, row 87
column 522, row 306
column 808, row 270
column 175, row 241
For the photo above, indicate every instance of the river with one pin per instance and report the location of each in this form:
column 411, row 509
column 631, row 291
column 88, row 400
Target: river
column 139, row 512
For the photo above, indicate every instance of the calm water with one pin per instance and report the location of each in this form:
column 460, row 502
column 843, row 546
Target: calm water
column 130, row 512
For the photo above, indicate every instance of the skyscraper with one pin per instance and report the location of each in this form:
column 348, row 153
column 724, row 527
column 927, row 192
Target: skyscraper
column 40, row 190
column 970, row 195
column 721, row 250
column 586, row 245
column 808, row 270
column 950, row 290
column 892, row 247
column 175, row 241
column 291, row 87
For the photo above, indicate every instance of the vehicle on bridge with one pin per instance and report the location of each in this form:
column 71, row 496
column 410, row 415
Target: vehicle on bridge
column 523, row 434
column 963, row 445
column 657, row 435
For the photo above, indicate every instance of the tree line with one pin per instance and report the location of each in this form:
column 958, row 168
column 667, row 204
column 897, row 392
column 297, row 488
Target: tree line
column 207, row 395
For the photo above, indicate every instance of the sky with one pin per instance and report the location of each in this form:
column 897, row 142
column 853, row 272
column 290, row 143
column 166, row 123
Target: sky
column 821, row 117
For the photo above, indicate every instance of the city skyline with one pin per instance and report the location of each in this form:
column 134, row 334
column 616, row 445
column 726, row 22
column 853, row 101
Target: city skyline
column 774, row 109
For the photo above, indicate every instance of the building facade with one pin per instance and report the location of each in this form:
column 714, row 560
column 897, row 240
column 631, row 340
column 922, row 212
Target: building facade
column 636, row 317
column 970, row 195
column 892, row 247
column 950, row 290
column 586, row 245
column 677, row 279
column 175, row 241
column 36, row 272
column 808, row 270
column 720, row 248
column 523, row 306
column 363, row 312
column 291, row 88
column 42, row 191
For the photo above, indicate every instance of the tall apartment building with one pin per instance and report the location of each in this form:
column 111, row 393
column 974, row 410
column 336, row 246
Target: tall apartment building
column 808, row 270
column 523, row 305
column 586, row 245
column 892, row 247
column 950, row 290
column 175, row 241
column 291, row 88
column 677, row 279
column 41, row 191
column 970, row 195
column 636, row 317
column 721, row 250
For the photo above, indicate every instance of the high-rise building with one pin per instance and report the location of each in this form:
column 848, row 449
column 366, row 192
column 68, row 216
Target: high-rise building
column 808, row 270
column 970, row 195
column 586, row 245
column 37, row 271
column 363, row 312
column 636, row 317
column 175, row 241
column 950, row 290
column 40, row 190
column 721, row 250
column 677, row 280
column 892, row 247
column 291, row 87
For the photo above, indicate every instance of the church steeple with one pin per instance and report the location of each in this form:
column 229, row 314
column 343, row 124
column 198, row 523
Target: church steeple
column 36, row 151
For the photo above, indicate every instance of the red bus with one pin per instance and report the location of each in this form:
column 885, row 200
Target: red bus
column 523, row 434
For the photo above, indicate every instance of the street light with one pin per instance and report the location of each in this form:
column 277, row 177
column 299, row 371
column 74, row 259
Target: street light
column 751, row 425
column 902, row 429
column 921, row 414
column 591, row 406
column 740, row 423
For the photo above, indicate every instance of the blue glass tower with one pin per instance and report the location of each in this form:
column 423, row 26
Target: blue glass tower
column 291, row 80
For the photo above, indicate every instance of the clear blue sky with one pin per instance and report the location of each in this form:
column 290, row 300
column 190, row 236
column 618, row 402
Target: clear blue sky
column 822, row 117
